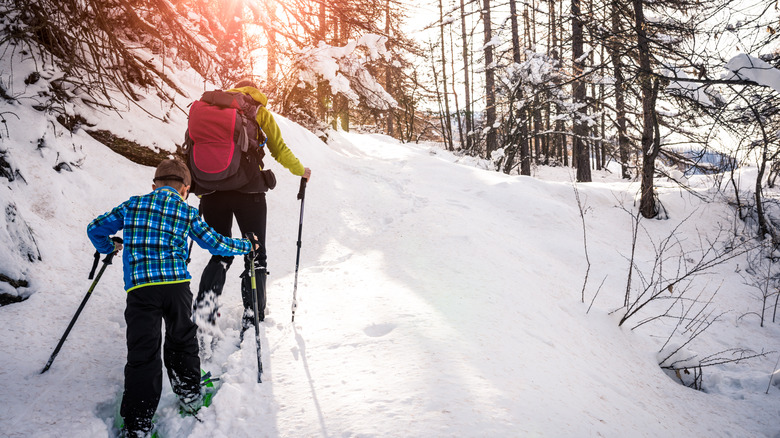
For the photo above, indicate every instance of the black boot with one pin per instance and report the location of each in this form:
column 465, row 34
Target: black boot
column 212, row 281
column 206, row 309
column 246, row 291
column 248, row 318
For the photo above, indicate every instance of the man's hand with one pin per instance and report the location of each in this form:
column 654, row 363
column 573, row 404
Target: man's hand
column 306, row 173
column 254, row 240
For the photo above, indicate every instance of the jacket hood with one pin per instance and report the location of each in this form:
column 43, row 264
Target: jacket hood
column 256, row 94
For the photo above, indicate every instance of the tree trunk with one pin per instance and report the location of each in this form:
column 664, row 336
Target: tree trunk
column 466, row 66
column 530, row 107
column 516, row 55
column 459, row 120
column 620, row 100
column 340, row 113
column 324, row 99
column 519, row 116
column 557, row 139
column 538, row 129
column 439, row 101
column 598, row 132
column 490, row 96
column 581, row 156
column 764, row 226
column 271, row 49
column 560, row 125
column 602, row 142
column 341, row 102
column 447, row 117
column 389, row 119
column 595, row 132
column 647, row 204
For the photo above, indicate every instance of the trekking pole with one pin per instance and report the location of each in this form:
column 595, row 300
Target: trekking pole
column 106, row 262
column 301, row 196
column 253, row 280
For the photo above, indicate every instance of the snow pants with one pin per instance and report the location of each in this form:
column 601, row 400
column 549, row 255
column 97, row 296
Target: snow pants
column 147, row 307
column 250, row 211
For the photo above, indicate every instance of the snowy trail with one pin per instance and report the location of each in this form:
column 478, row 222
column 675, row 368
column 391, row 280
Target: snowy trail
column 402, row 331
column 435, row 299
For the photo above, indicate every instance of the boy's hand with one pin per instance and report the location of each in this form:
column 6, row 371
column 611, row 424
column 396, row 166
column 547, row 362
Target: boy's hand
column 117, row 243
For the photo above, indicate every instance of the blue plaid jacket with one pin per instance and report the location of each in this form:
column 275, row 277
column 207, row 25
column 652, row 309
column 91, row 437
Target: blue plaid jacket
column 155, row 231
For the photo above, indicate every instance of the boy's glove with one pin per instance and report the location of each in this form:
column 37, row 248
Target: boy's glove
column 118, row 243
column 117, row 247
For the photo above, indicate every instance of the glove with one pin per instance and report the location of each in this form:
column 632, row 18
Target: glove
column 117, row 247
column 256, row 245
column 118, row 243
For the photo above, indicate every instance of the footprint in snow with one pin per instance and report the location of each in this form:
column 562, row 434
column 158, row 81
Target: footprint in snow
column 378, row 330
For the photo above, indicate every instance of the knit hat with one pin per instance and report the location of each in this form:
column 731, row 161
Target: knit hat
column 173, row 170
column 245, row 82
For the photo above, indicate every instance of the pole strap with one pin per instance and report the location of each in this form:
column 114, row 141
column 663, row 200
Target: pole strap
column 94, row 266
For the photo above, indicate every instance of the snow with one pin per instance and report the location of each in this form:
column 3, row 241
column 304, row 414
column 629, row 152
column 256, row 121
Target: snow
column 344, row 69
column 744, row 66
column 494, row 42
column 690, row 89
column 435, row 299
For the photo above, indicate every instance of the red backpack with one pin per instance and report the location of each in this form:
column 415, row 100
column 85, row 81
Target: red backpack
column 223, row 143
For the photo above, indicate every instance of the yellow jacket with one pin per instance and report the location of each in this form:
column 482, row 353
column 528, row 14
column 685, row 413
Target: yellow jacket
column 276, row 145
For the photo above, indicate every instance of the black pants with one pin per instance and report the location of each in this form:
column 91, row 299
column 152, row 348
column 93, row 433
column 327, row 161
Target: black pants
column 250, row 211
column 146, row 308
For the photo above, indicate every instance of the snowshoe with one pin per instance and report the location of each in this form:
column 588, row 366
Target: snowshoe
column 208, row 389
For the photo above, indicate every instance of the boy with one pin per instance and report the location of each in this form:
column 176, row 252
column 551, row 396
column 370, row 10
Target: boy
column 155, row 230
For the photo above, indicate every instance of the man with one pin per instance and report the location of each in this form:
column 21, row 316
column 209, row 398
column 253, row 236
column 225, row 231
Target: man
column 247, row 204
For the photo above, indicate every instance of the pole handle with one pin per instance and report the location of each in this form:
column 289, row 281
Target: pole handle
column 107, row 260
column 302, row 189
column 110, row 257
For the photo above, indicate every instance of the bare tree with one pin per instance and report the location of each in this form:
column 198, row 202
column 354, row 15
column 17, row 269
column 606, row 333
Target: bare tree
column 490, row 93
column 763, row 275
column 469, row 118
column 672, row 269
column 446, row 119
column 94, row 43
column 580, row 131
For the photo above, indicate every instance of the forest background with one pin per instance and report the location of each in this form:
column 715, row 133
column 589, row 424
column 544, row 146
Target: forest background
column 521, row 83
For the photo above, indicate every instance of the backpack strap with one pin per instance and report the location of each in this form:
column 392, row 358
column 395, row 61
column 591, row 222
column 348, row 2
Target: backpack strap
column 261, row 137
